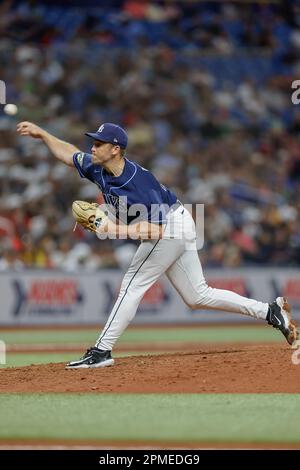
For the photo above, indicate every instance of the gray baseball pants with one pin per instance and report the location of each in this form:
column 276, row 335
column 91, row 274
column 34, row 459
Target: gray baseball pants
column 175, row 255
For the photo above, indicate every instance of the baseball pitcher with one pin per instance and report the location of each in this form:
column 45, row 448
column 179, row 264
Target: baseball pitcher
column 166, row 230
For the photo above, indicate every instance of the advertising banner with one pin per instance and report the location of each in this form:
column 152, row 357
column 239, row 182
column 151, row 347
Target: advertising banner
column 54, row 297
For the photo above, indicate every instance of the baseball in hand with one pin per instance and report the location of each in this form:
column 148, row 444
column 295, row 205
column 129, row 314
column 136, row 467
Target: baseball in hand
column 10, row 109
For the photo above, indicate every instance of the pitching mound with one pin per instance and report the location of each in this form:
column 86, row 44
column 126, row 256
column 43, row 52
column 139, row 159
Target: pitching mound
column 238, row 369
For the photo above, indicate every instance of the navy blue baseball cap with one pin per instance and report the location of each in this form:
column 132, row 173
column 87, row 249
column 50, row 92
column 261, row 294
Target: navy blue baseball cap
column 111, row 133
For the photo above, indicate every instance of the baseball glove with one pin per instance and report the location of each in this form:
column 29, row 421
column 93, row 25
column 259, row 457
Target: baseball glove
column 89, row 215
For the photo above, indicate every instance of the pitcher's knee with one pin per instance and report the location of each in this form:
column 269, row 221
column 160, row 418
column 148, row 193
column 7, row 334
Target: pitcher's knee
column 194, row 306
column 196, row 300
column 202, row 298
column 191, row 302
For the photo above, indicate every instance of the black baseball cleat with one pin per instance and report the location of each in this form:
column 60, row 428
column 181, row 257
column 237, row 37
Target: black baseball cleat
column 94, row 357
column 279, row 316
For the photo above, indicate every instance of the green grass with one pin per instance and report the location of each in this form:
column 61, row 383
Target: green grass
column 151, row 335
column 134, row 336
column 182, row 418
column 27, row 359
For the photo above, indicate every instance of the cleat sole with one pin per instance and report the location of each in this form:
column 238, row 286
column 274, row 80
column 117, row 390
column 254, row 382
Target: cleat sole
column 294, row 334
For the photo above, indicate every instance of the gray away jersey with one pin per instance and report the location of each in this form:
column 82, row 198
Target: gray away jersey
column 136, row 193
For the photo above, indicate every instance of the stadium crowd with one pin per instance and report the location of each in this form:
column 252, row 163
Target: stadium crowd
column 204, row 91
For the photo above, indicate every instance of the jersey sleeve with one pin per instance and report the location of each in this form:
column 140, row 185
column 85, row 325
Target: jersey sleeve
column 83, row 164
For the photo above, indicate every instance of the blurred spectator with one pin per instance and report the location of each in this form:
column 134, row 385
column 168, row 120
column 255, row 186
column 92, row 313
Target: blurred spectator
column 204, row 92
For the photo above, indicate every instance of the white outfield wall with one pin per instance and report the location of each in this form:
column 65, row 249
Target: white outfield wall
column 53, row 297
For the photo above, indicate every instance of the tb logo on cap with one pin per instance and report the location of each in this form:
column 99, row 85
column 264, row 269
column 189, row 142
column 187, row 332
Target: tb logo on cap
column 101, row 128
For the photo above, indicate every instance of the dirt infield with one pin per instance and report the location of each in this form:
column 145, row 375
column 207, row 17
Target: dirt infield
column 210, row 369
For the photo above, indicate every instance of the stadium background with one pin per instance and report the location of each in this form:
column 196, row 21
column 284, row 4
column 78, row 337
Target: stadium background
column 204, row 90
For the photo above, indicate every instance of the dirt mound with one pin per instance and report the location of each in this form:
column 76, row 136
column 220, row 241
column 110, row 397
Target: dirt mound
column 244, row 369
